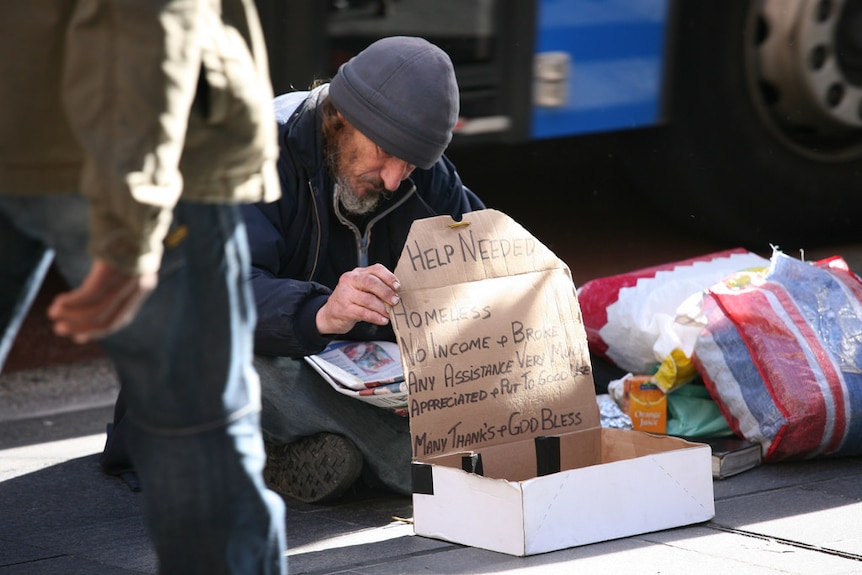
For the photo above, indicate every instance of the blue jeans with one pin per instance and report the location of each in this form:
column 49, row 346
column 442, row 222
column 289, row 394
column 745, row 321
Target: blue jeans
column 185, row 366
column 297, row 402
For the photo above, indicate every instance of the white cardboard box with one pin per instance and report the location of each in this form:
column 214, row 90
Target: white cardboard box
column 509, row 453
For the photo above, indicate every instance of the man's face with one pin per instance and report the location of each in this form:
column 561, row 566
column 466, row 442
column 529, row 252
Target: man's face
column 365, row 174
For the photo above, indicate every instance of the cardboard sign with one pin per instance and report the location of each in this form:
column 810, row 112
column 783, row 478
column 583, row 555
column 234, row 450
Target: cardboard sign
column 492, row 342
column 508, row 449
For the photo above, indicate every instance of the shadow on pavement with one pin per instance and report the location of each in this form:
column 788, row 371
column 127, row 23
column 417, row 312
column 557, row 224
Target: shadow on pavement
column 71, row 518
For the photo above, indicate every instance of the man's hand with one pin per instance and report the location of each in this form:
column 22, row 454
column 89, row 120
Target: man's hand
column 362, row 294
column 105, row 302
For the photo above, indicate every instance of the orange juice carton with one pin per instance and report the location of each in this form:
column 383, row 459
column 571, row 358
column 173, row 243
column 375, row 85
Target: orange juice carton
column 647, row 404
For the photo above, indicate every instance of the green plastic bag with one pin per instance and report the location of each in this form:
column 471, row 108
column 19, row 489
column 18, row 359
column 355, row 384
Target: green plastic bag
column 691, row 412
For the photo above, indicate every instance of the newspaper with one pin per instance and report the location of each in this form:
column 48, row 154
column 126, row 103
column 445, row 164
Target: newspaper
column 366, row 370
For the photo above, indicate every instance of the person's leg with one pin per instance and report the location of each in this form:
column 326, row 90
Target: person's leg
column 23, row 264
column 25, row 259
column 186, row 361
column 28, row 227
column 115, row 459
column 193, row 403
column 297, row 404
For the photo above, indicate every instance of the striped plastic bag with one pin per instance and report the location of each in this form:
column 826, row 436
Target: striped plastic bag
column 781, row 354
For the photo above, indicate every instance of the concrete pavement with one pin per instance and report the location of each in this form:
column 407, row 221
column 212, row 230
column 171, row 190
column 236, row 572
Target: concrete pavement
column 60, row 515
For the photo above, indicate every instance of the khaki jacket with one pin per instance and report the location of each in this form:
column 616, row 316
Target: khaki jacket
column 135, row 104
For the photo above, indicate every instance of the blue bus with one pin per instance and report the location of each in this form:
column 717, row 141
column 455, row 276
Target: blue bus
column 740, row 116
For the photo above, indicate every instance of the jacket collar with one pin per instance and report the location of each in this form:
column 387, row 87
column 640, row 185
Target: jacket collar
column 301, row 135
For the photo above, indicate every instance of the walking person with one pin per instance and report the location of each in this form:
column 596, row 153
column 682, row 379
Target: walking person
column 128, row 132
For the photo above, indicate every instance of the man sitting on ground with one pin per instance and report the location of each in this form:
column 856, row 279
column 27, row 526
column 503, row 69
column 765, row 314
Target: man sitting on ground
column 361, row 158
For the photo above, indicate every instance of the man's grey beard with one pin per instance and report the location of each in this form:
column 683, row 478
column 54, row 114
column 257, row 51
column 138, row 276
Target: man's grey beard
column 353, row 204
column 344, row 193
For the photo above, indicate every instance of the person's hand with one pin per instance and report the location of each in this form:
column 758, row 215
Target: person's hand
column 105, row 302
column 362, row 294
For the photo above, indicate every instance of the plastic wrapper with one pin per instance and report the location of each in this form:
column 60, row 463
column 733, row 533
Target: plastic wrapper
column 631, row 318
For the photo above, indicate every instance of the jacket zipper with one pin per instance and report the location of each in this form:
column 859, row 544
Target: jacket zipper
column 364, row 241
column 319, row 232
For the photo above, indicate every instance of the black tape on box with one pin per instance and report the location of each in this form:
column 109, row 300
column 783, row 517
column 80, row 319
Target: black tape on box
column 422, row 479
column 472, row 463
column 547, row 455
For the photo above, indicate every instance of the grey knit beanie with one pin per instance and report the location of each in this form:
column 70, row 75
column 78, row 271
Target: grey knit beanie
column 401, row 93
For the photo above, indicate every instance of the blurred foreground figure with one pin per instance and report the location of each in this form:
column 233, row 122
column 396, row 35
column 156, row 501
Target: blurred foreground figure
column 128, row 132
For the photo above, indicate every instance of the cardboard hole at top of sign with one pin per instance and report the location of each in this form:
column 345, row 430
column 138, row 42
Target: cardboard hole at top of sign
column 492, row 342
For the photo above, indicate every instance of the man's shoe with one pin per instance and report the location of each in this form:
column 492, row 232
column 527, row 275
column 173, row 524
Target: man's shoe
column 314, row 469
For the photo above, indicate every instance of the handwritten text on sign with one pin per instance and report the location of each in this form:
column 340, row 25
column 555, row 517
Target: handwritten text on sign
column 494, row 357
column 467, row 248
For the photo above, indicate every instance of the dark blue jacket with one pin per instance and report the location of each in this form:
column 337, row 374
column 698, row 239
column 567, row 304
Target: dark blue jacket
column 300, row 246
